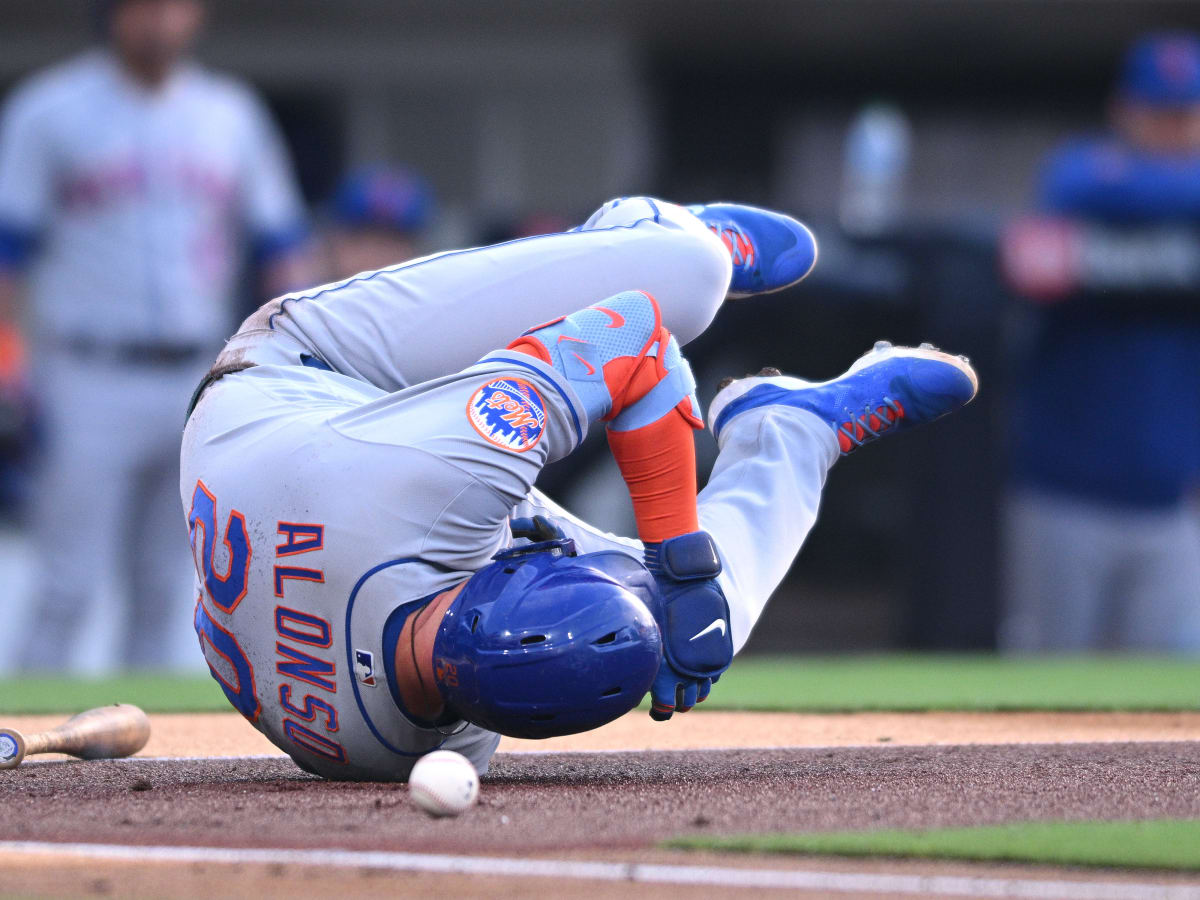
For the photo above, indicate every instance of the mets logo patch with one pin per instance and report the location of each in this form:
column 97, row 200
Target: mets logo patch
column 508, row 412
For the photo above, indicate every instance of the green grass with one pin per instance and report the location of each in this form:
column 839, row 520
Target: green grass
column 958, row 682
column 800, row 683
column 153, row 693
column 1162, row 844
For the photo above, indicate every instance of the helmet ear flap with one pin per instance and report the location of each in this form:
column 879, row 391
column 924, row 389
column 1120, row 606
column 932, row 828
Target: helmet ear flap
column 543, row 644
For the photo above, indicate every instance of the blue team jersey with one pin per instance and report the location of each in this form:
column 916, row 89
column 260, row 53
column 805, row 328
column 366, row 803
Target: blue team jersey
column 1109, row 406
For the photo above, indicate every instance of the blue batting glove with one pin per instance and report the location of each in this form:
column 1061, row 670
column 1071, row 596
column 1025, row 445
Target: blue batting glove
column 693, row 617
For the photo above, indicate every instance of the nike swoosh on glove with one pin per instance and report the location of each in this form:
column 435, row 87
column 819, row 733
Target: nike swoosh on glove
column 693, row 617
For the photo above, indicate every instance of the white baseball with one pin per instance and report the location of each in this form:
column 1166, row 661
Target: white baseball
column 443, row 783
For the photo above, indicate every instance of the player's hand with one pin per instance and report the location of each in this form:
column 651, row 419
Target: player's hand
column 693, row 617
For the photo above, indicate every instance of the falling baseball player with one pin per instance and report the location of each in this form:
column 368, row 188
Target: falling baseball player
column 378, row 576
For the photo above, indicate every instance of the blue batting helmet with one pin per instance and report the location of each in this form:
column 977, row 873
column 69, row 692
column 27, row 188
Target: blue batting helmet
column 543, row 642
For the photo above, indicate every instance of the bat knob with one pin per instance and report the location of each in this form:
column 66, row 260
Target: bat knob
column 12, row 748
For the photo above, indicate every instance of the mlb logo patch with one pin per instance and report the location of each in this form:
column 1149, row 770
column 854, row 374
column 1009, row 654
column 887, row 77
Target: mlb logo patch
column 364, row 667
column 508, row 412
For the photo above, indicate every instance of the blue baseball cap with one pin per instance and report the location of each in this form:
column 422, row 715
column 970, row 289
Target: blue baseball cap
column 1163, row 70
column 384, row 196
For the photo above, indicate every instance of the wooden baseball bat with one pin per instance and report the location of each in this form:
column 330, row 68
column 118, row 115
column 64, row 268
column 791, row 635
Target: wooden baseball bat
column 109, row 732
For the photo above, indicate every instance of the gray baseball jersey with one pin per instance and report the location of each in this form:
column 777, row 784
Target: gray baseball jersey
column 337, row 513
column 325, row 504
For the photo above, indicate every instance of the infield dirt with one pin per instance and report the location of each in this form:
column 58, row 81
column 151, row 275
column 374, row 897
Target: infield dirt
column 544, row 802
column 615, row 804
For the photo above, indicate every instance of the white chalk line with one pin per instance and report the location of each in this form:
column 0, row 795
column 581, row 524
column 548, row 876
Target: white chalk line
column 637, row 873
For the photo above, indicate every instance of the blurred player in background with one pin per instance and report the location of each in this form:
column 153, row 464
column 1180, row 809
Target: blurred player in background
column 132, row 183
column 16, row 416
column 1103, row 545
column 376, row 219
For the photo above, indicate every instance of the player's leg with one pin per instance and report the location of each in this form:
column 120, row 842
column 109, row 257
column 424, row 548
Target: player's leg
column 761, row 501
column 778, row 437
column 160, row 635
column 75, row 546
column 764, row 493
column 78, row 495
column 430, row 317
column 1161, row 597
column 1061, row 560
column 157, row 561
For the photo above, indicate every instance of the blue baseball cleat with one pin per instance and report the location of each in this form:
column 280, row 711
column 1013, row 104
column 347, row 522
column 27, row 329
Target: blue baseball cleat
column 885, row 391
column 770, row 251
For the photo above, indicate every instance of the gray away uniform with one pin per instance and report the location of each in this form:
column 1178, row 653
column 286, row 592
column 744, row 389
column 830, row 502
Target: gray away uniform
column 337, row 498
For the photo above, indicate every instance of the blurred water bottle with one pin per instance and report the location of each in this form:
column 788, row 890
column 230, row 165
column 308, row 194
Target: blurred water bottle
column 875, row 167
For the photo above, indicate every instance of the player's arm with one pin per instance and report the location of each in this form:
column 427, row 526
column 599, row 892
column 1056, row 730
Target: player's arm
column 631, row 375
column 658, row 462
column 651, row 439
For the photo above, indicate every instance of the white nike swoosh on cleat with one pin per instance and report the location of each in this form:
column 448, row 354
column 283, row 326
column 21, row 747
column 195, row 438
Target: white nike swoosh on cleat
column 718, row 624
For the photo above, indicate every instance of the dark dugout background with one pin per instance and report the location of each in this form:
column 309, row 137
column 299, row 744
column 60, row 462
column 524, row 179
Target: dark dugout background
column 520, row 108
